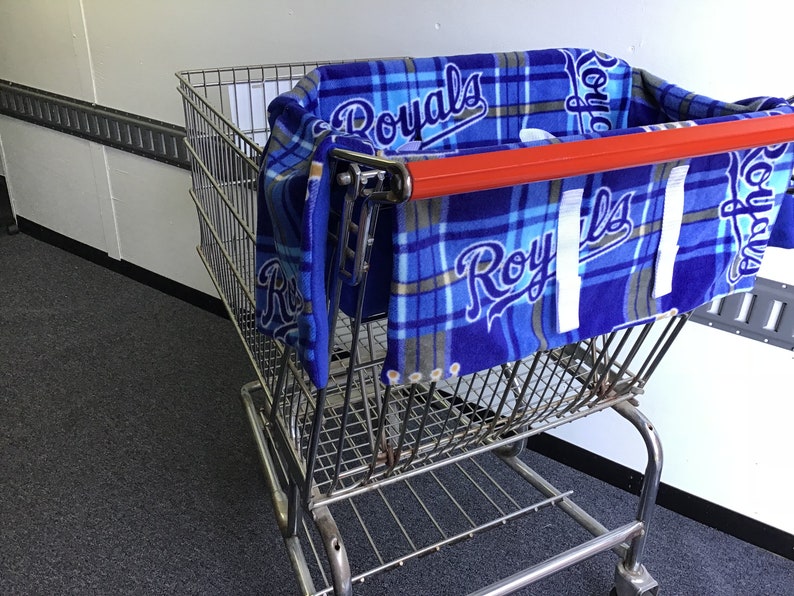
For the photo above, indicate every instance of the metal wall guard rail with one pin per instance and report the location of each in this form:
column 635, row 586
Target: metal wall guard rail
column 766, row 314
column 136, row 134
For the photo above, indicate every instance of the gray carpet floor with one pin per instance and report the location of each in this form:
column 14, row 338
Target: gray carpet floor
column 126, row 466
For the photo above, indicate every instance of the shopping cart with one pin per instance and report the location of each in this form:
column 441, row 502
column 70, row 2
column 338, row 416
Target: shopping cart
column 401, row 470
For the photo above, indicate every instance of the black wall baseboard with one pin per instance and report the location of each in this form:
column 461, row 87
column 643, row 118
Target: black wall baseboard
column 134, row 272
column 702, row 511
column 695, row 508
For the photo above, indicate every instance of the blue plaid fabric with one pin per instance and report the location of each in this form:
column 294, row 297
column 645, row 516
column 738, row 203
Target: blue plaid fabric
column 473, row 278
column 291, row 235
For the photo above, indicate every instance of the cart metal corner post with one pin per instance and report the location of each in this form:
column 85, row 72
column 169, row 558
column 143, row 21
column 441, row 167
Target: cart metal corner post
column 427, row 459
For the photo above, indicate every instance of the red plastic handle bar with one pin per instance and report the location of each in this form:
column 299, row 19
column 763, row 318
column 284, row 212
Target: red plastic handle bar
column 483, row 171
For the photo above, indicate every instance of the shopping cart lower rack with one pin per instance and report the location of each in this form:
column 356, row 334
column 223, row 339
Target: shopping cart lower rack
column 401, row 470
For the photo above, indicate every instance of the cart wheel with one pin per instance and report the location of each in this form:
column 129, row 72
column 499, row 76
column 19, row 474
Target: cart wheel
column 511, row 450
column 13, row 229
column 639, row 583
column 650, row 592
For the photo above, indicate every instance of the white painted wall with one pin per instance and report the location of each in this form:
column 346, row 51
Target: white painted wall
column 52, row 180
column 723, row 407
column 723, row 404
column 44, row 45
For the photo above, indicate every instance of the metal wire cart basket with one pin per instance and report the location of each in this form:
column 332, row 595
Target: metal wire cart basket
column 348, row 437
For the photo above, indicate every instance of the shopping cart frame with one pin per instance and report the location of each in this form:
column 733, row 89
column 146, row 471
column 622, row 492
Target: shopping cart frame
column 294, row 453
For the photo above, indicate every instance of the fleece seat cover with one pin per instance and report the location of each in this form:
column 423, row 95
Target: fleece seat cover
column 471, row 281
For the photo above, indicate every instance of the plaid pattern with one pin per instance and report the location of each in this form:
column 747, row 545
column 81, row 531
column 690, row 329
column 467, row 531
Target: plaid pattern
column 473, row 280
column 292, row 225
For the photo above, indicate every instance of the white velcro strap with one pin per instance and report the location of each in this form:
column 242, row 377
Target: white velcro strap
column 569, row 284
column 528, row 135
column 671, row 230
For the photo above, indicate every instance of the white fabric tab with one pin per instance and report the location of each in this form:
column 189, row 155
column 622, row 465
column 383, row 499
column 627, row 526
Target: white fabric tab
column 528, row 135
column 569, row 283
column 671, row 230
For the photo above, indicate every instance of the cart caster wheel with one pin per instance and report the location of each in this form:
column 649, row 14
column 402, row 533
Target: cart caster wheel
column 13, row 229
column 515, row 448
column 652, row 592
column 639, row 583
column 511, row 450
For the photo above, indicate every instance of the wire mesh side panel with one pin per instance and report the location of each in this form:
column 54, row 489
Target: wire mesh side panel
column 226, row 124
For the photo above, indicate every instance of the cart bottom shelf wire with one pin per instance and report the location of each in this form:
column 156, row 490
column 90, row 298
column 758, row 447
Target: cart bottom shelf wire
column 391, row 525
